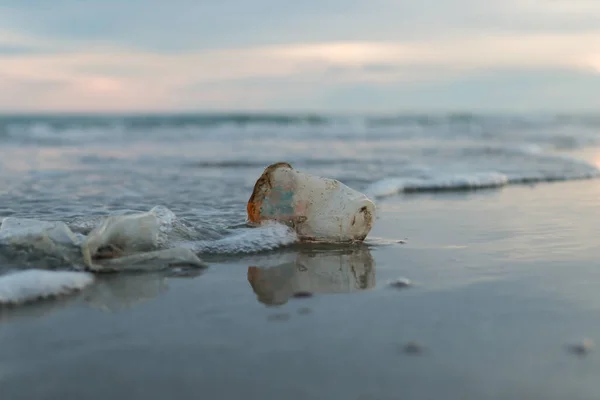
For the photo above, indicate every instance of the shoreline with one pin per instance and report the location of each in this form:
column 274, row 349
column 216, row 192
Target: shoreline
column 503, row 282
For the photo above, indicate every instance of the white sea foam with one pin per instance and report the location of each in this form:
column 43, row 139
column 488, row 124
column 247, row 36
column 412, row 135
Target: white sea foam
column 35, row 284
column 505, row 165
column 391, row 186
column 247, row 240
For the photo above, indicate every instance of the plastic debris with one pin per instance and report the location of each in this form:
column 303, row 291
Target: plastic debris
column 122, row 235
column 128, row 242
column 135, row 242
column 319, row 209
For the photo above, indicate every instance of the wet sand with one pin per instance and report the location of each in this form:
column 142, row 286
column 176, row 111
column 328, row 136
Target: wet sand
column 501, row 283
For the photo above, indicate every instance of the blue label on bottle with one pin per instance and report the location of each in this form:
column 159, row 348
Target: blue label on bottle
column 279, row 202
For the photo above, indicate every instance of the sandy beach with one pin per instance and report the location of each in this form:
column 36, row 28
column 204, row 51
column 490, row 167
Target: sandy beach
column 183, row 186
column 502, row 282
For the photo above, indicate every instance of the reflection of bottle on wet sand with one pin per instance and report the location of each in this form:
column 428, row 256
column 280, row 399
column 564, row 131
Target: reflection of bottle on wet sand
column 314, row 271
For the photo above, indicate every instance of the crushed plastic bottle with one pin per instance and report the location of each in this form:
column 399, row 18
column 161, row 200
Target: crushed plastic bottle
column 319, row 209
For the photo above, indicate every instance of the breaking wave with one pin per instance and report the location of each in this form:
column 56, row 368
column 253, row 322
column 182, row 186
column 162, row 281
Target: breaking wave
column 484, row 180
column 519, row 165
column 391, row 186
column 560, row 131
column 29, row 283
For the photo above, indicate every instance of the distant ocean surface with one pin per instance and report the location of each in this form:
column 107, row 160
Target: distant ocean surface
column 203, row 167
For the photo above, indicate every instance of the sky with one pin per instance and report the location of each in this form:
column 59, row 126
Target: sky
column 317, row 56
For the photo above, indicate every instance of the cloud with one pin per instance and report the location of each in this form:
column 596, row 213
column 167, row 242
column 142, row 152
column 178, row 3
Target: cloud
column 186, row 54
column 114, row 78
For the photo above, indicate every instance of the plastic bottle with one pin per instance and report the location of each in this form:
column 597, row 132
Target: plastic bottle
column 319, row 209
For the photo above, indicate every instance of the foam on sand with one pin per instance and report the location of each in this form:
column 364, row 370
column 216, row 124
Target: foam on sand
column 36, row 284
column 269, row 236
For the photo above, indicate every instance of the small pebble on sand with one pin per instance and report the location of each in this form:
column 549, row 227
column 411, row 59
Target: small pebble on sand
column 583, row 347
column 413, row 348
column 400, row 283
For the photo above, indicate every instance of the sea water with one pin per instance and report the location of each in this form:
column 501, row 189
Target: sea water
column 78, row 169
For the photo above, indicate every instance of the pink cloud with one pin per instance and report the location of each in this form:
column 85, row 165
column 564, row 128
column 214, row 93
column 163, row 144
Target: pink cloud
column 94, row 78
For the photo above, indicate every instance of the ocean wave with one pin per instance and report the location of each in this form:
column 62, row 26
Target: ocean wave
column 391, row 186
column 208, row 236
column 461, row 182
column 562, row 132
column 43, row 123
column 245, row 163
column 505, row 165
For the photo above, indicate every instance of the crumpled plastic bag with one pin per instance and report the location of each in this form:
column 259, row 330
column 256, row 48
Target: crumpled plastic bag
column 131, row 242
column 319, row 209
column 121, row 235
column 123, row 242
